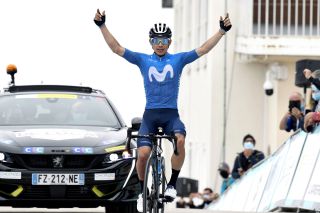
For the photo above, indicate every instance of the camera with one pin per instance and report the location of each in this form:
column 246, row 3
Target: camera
column 296, row 104
column 268, row 87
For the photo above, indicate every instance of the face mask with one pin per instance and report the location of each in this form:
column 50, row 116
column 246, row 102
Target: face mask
column 302, row 108
column 197, row 201
column 248, row 145
column 314, row 88
column 224, row 174
column 205, row 196
column 316, row 96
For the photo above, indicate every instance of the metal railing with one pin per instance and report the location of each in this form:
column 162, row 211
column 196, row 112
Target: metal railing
column 286, row 17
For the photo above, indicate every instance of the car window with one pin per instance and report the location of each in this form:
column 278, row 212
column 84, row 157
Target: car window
column 56, row 109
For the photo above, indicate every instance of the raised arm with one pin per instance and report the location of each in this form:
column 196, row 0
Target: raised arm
column 225, row 25
column 114, row 45
column 308, row 75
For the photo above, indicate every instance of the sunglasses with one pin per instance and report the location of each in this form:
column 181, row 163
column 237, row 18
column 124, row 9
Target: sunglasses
column 156, row 41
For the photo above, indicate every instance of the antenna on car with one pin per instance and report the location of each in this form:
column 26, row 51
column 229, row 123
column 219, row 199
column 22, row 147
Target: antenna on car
column 11, row 70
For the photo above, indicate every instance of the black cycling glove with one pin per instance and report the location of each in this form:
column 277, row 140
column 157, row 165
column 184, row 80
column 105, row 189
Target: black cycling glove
column 99, row 23
column 224, row 28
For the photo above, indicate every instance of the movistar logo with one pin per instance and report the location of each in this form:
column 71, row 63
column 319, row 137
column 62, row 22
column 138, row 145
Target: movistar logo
column 160, row 76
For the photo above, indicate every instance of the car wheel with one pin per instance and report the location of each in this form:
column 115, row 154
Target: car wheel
column 122, row 207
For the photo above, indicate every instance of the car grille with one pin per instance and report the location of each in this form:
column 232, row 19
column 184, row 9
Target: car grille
column 45, row 192
column 84, row 162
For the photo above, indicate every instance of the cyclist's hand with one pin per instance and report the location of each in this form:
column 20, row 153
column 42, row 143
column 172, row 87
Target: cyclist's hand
column 99, row 18
column 225, row 24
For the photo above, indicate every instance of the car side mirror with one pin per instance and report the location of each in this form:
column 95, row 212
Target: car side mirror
column 135, row 126
column 136, row 123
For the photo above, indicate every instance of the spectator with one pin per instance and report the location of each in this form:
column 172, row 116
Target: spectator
column 313, row 117
column 247, row 158
column 293, row 119
column 202, row 200
column 313, row 78
column 180, row 203
column 225, row 173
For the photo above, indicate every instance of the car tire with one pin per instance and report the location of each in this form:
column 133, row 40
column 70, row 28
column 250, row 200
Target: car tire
column 123, row 207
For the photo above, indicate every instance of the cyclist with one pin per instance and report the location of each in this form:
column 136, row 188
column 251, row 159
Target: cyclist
column 161, row 73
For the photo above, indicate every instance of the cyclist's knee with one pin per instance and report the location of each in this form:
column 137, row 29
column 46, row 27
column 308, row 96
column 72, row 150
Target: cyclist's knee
column 180, row 140
column 143, row 153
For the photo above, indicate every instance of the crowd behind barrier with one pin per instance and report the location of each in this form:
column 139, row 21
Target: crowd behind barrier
column 288, row 179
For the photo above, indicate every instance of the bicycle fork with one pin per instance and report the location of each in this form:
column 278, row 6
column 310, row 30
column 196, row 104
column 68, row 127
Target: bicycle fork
column 159, row 177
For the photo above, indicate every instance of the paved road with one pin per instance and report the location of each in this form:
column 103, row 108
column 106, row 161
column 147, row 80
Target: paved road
column 76, row 210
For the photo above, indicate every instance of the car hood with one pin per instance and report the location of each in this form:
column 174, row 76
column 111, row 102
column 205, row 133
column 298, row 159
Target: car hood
column 60, row 139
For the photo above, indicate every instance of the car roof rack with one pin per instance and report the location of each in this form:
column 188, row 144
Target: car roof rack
column 62, row 88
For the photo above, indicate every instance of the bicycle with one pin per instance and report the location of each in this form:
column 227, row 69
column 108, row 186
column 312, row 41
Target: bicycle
column 154, row 200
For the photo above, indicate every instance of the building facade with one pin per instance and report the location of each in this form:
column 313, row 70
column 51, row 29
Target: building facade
column 222, row 95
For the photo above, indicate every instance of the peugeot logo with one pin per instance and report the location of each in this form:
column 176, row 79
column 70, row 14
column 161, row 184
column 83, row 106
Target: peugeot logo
column 57, row 161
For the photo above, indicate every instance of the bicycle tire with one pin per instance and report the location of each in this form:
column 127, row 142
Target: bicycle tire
column 155, row 183
column 159, row 184
column 147, row 205
column 163, row 180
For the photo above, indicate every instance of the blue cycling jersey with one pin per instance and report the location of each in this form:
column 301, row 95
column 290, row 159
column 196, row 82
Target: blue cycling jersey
column 161, row 76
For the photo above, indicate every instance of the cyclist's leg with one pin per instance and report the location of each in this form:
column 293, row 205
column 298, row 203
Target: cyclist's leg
column 144, row 145
column 176, row 126
column 178, row 160
column 144, row 149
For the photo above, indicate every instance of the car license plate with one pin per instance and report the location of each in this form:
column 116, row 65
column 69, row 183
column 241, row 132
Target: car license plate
column 57, row 179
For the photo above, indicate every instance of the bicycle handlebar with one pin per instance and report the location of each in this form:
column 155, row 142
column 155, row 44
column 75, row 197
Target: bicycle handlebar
column 153, row 137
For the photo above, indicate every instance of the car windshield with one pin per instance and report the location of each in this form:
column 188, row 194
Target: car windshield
column 56, row 109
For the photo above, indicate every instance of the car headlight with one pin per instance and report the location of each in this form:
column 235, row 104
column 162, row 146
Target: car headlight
column 126, row 154
column 5, row 158
column 2, row 157
column 119, row 155
column 113, row 157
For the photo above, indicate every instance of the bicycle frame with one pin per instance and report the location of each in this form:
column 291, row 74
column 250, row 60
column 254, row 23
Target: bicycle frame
column 155, row 201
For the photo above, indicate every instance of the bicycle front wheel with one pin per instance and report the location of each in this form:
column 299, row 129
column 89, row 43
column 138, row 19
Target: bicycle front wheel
column 150, row 197
column 163, row 182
